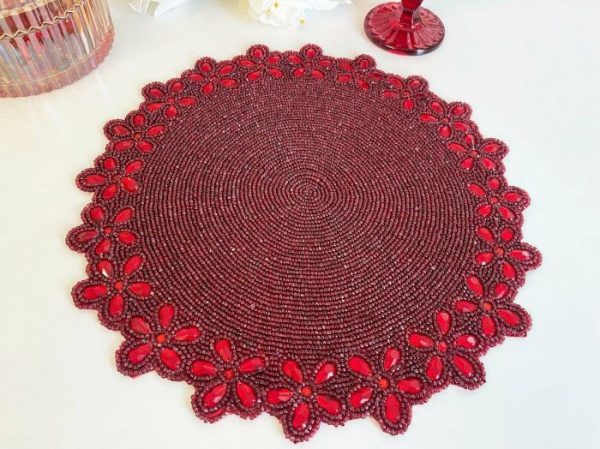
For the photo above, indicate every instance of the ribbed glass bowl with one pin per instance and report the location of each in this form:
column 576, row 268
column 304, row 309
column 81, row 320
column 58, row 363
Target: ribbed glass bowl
column 46, row 44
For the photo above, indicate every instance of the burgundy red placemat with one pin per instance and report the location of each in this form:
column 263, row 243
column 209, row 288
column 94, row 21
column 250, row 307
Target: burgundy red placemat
column 305, row 236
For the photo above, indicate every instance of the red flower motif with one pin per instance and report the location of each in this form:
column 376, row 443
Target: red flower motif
column 513, row 257
column 260, row 61
column 100, row 233
column 156, row 344
column 449, row 351
column 506, row 202
column 228, row 382
column 486, row 154
column 309, row 62
column 134, row 132
column 113, row 287
column 384, row 391
column 497, row 316
column 108, row 179
column 210, row 75
column 306, row 402
column 448, row 118
column 410, row 90
column 170, row 98
column 361, row 72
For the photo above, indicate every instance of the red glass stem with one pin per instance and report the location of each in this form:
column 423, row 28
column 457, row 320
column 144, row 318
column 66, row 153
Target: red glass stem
column 410, row 13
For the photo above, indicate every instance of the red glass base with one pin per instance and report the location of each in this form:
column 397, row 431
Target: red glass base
column 385, row 28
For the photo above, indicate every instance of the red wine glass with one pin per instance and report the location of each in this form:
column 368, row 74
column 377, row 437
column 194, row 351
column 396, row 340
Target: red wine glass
column 404, row 27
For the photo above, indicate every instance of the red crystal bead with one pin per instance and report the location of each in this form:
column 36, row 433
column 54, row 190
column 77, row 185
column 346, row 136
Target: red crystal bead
column 120, row 131
column 94, row 292
column 329, row 404
column 420, row 341
column 507, row 234
column 466, row 341
column 161, row 338
column 360, row 366
column 246, row 394
column 325, row 372
column 116, row 306
column 223, row 350
column 110, row 191
column 360, row 397
column 301, row 416
column 292, row 370
column 508, row 270
column 126, row 237
column 486, row 234
column 306, row 391
column 132, row 265
column 86, row 236
column 488, row 327
column 484, row 258
column 279, row 395
column 139, row 325
column 129, row 184
column 203, row 368
column 501, row 290
column 509, row 317
column 104, row 245
column 435, row 368
column 214, row 395
column 110, row 163
column 139, row 120
column 463, row 306
column 443, row 321
column 464, row 366
column 165, row 315
column 187, row 334
column 251, row 365
column 123, row 216
column 139, row 353
column 141, row 289
column 384, row 383
column 391, row 358
column 520, row 255
column 392, row 408
column 410, row 385
column 475, row 285
column 170, row 358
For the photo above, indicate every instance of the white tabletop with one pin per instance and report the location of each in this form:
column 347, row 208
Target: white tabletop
column 529, row 69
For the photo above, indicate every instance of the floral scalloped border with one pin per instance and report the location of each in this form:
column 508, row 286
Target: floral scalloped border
column 421, row 362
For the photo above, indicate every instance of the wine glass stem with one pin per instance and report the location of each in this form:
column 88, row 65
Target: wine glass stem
column 410, row 13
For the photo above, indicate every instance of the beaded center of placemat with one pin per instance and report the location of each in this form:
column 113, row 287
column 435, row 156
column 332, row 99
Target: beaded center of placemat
column 295, row 222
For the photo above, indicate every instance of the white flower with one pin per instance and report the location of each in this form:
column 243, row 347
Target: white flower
column 286, row 12
column 154, row 7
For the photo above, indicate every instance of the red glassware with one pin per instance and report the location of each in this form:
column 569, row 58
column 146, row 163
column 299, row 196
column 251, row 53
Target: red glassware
column 404, row 27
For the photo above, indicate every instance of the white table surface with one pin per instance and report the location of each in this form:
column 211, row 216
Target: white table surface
column 531, row 73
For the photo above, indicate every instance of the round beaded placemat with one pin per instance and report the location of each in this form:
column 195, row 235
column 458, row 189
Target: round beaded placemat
column 303, row 235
